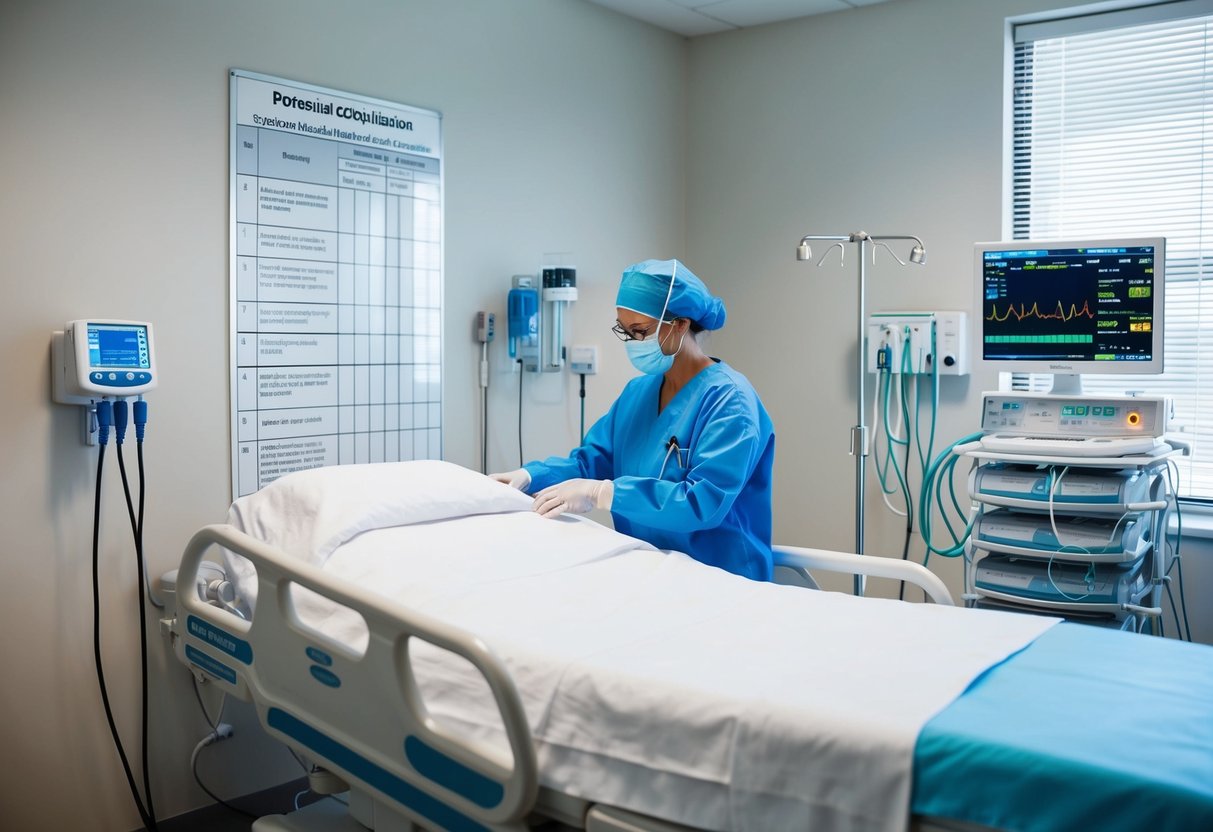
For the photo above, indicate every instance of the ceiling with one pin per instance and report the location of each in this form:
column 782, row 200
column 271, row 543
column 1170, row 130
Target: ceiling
column 705, row 17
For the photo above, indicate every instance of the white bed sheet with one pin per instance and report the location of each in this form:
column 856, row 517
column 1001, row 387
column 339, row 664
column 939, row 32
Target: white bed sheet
column 658, row 684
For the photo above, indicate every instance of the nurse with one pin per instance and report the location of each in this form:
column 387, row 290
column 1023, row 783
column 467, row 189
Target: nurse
column 683, row 457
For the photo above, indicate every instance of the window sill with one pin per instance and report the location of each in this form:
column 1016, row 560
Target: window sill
column 1197, row 521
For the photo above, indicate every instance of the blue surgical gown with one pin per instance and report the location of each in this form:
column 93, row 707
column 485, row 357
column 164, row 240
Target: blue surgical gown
column 716, row 445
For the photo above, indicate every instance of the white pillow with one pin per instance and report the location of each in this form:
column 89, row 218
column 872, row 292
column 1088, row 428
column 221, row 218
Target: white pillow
column 308, row 514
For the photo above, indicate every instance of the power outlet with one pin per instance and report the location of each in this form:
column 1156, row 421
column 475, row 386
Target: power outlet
column 583, row 360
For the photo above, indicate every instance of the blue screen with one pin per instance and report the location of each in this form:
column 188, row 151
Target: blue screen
column 119, row 345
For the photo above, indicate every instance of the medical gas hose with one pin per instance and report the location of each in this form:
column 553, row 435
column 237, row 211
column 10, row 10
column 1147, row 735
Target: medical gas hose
column 940, row 469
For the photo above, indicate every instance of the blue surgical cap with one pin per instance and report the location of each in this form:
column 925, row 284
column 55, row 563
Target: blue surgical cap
column 645, row 284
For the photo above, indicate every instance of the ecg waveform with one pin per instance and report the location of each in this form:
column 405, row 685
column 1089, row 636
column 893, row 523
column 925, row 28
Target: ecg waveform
column 1060, row 315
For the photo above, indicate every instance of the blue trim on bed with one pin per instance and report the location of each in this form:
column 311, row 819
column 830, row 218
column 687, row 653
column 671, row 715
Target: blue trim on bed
column 452, row 774
column 325, row 676
column 220, row 639
column 373, row 775
column 210, row 665
column 1085, row 728
column 319, row 656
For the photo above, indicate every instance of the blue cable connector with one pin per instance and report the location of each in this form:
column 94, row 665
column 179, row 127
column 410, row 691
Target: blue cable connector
column 120, row 421
column 140, row 418
column 105, row 418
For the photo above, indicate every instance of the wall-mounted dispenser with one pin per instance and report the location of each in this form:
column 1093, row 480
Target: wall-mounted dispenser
column 523, row 322
column 559, row 290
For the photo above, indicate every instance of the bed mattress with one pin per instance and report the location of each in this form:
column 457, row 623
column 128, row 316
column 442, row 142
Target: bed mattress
column 651, row 681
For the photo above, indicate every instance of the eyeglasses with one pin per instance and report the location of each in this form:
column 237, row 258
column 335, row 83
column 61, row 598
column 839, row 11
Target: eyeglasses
column 636, row 333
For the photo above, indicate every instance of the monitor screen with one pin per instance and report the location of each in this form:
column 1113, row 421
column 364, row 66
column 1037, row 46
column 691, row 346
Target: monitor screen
column 123, row 346
column 1071, row 307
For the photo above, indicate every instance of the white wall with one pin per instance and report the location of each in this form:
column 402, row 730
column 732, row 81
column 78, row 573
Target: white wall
column 567, row 128
column 887, row 119
column 559, row 136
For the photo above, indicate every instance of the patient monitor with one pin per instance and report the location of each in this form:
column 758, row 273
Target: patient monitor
column 97, row 357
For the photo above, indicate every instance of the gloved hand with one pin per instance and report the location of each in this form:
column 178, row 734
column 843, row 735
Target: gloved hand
column 519, row 479
column 576, row 496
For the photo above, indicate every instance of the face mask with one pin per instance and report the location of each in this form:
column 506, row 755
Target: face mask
column 646, row 356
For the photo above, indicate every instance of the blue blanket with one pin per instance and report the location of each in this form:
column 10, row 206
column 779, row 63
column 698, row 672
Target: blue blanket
column 1085, row 728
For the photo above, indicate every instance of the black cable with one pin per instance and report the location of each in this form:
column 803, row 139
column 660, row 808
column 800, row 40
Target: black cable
column 141, row 573
column 1183, row 601
column 306, row 769
column 126, row 491
column 137, row 532
column 521, row 373
column 905, row 547
column 1179, row 631
column 215, row 797
column 142, row 491
column 484, row 430
column 582, row 408
column 198, row 695
column 105, row 701
column 194, row 764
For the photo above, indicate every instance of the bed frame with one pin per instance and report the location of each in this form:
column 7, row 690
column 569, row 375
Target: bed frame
column 430, row 779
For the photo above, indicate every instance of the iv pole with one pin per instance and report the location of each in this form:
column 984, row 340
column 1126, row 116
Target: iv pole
column 859, row 433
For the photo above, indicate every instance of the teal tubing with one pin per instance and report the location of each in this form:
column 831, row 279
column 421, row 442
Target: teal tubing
column 923, row 456
column 882, row 396
column 882, row 471
column 942, row 468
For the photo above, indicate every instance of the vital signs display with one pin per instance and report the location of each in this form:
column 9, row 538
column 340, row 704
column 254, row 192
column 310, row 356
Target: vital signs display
column 1071, row 307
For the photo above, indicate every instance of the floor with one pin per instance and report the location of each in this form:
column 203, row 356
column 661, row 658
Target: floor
column 278, row 800
column 218, row 818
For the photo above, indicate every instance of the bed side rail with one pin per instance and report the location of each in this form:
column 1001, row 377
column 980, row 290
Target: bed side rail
column 361, row 716
column 876, row 567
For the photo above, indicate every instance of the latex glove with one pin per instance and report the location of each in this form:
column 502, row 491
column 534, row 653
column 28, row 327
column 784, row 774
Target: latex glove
column 575, row 496
column 519, row 479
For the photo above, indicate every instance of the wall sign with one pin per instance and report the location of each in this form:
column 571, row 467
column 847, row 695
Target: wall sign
column 336, row 280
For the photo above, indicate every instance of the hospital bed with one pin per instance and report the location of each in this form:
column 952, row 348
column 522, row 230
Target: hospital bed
column 463, row 664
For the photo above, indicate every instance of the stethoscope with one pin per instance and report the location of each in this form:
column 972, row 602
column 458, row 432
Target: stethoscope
column 671, row 447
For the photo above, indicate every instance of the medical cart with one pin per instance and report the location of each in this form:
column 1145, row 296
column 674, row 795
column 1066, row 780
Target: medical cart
column 1081, row 537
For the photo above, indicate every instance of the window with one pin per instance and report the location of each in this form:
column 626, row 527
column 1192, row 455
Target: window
column 1113, row 136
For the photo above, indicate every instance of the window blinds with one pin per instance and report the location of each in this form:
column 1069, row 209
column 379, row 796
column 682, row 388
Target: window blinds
column 1113, row 137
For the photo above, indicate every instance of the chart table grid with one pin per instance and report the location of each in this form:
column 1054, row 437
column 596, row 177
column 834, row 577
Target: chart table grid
column 336, row 280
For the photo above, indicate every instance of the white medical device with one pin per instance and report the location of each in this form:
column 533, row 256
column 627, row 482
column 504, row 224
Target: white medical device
column 583, row 359
column 1036, row 487
column 486, row 323
column 1072, row 425
column 1072, row 537
column 559, row 290
column 914, row 341
column 536, row 318
column 1091, row 588
column 97, row 358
